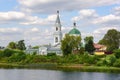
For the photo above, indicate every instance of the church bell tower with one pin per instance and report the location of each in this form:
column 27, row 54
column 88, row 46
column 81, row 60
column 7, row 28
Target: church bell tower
column 58, row 33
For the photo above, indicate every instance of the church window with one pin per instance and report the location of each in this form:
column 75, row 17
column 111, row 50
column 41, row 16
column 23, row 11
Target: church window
column 56, row 39
column 56, row 28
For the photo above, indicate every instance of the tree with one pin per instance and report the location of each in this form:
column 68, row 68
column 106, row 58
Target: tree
column 21, row 45
column 69, row 43
column 86, row 39
column 89, row 47
column 111, row 40
column 12, row 45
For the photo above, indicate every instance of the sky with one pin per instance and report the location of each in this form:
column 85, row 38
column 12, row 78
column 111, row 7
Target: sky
column 34, row 20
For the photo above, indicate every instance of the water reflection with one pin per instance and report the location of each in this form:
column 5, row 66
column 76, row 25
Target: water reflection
column 25, row 74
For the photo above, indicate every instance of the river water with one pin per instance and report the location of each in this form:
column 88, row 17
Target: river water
column 37, row 74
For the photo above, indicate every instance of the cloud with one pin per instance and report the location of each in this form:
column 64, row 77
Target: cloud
column 32, row 36
column 34, row 20
column 48, row 6
column 24, row 19
column 108, row 20
column 116, row 10
column 85, row 14
column 11, row 16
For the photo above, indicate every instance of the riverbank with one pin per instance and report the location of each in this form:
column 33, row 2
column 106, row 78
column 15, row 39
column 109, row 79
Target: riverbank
column 65, row 67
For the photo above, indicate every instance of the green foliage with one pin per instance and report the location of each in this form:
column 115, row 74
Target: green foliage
column 107, row 61
column 111, row 40
column 21, row 45
column 110, row 59
column 101, row 63
column 89, row 47
column 17, row 57
column 117, row 63
column 86, row 39
column 51, row 54
column 117, row 53
column 82, row 50
column 69, row 43
column 7, row 52
column 39, row 59
column 1, row 53
column 12, row 45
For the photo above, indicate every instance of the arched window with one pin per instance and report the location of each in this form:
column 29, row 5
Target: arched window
column 56, row 28
column 56, row 39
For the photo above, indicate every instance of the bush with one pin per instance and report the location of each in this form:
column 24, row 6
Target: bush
column 110, row 59
column 17, row 57
column 90, row 59
column 117, row 53
column 117, row 63
column 7, row 52
column 101, row 63
column 51, row 54
column 1, row 53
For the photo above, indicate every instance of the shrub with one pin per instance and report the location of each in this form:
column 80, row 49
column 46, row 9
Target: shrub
column 101, row 63
column 117, row 63
column 7, row 52
column 1, row 53
column 17, row 57
column 110, row 59
column 51, row 54
column 117, row 53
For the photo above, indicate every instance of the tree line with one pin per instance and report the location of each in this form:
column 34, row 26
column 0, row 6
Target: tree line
column 70, row 43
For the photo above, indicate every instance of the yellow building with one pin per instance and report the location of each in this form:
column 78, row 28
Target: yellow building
column 100, row 49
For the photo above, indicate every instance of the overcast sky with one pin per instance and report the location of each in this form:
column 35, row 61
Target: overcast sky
column 33, row 20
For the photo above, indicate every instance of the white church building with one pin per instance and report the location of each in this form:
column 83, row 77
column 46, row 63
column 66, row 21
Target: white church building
column 56, row 47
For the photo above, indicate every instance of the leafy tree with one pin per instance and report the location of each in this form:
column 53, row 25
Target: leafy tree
column 7, row 52
column 12, row 45
column 117, row 53
column 69, row 43
column 111, row 40
column 86, row 39
column 89, row 47
column 21, row 45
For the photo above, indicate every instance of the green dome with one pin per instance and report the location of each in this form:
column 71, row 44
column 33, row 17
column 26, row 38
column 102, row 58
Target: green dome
column 75, row 31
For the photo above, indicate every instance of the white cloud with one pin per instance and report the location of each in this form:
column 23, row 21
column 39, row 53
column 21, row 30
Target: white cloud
column 11, row 16
column 108, row 20
column 32, row 36
column 116, row 10
column 48, row 6
column 24, row 19
column 34, row 20
column 85, row 14
column 103, row 30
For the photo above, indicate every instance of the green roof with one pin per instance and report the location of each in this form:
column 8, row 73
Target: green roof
column 74, row 31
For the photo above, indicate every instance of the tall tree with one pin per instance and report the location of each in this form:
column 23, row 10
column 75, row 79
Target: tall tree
column 21, row 45
column 89, row 47
column 12, row 45
column 69, row 43
column 111, row 40
column 86, row 39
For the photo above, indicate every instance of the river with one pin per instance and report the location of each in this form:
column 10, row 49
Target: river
column 38, row 74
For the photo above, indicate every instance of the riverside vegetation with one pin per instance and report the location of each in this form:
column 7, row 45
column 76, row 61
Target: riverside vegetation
column 85, row 61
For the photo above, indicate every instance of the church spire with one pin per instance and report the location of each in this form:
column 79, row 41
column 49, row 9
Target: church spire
column 58, row 33
column 74, row 24
column 58, row 18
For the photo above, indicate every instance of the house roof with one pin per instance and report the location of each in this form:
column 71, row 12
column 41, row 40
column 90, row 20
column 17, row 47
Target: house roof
column 98, row 46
